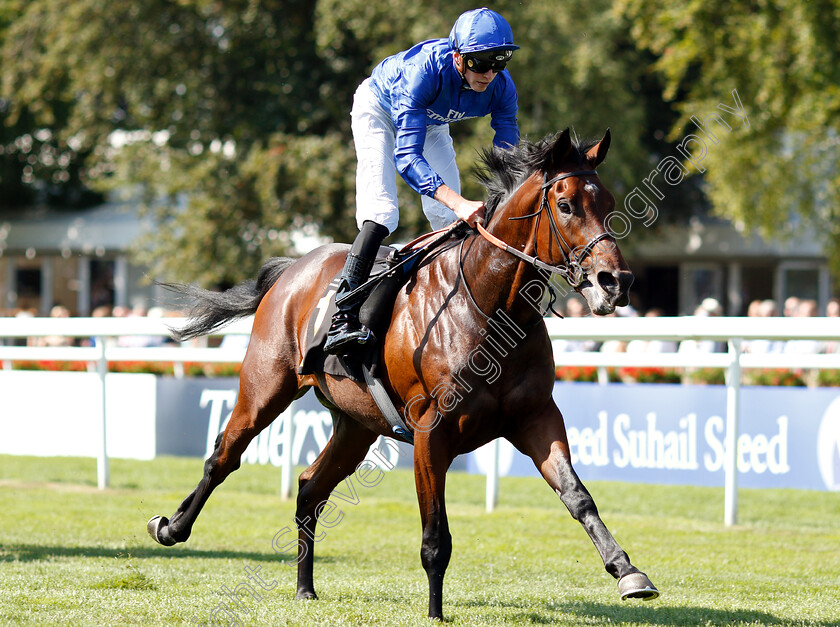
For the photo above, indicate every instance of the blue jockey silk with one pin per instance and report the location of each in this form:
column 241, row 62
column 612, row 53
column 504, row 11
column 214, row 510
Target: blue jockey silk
column 420, row 87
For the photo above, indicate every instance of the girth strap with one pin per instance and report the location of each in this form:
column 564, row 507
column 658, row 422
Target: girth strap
column 386, row 406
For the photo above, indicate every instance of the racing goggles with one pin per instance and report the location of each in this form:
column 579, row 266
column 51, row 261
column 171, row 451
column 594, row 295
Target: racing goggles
column 483, row 62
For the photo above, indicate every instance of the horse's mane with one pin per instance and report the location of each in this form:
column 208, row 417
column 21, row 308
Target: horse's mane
column 502, row 171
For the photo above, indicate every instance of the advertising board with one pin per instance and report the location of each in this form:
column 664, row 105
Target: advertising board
column 60, row 414
column 642, row 433
column 671, row 434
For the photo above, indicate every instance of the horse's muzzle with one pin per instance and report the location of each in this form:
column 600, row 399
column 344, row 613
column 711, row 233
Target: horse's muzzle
column 616, row 285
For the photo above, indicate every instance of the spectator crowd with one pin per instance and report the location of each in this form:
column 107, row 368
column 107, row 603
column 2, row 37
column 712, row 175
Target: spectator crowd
column 793, row 308
column 60, row 311
column 574, row 307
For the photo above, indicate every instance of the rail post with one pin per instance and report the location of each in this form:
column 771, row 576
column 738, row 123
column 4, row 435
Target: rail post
column 492, row 487
column 287, row 461
column 102, row 471
column 733, row 398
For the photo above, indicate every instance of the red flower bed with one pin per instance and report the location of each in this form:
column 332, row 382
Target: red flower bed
column 576, row 373
column 649, row 375
column 776, row 377
column 134, row 367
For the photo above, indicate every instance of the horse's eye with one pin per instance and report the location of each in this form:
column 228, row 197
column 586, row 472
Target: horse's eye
column 563, row 206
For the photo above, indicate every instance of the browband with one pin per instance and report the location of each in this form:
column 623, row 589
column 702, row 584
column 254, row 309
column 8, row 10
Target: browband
column 560, row 177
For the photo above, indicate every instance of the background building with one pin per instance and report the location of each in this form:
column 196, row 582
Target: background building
column 682, row 265
column 76, row 259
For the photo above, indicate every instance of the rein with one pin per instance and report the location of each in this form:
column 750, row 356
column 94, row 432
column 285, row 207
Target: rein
column 572, row 270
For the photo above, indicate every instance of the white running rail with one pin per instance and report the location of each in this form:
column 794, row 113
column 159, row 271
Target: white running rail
column 732, row 330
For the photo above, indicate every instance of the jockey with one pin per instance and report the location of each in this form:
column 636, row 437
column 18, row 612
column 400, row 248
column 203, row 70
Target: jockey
column 400, row 122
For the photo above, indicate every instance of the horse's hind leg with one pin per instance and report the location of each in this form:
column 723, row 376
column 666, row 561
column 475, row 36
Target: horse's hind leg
column 260, row 401
column 346, row 448
column 543, row 438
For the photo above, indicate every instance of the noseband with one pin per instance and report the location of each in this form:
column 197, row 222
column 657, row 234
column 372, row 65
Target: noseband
column 572, row 270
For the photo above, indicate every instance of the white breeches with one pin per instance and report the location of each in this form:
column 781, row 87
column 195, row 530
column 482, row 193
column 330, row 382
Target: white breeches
column 376, row 174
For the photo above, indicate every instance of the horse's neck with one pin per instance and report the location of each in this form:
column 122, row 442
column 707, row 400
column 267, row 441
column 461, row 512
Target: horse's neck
column 498, row 280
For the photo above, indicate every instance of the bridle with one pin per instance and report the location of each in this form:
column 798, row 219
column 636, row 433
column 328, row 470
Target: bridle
column 572, row 270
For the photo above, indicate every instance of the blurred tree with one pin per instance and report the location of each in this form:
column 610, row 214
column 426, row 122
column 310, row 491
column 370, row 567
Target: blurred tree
column 783, row 60
column 35, row 167
column 193, row 106
column 230, row 121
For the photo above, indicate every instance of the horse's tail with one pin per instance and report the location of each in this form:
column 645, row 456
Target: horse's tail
column 209, row 311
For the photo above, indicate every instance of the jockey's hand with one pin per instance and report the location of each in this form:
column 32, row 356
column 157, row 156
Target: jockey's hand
column 470, row 211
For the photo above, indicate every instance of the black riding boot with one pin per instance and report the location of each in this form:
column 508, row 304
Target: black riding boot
column 346, row 329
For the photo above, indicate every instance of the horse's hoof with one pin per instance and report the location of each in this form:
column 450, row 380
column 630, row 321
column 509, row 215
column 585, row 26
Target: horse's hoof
column 158, row 530
column 637, row 586
column 305, row 594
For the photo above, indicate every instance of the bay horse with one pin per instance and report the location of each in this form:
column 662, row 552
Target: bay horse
column 546, row 210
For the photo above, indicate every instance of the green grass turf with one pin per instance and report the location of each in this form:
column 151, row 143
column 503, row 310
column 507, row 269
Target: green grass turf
column 73, row 555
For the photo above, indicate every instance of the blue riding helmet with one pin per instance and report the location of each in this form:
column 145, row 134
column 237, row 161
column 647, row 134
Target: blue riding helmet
column 479, row 30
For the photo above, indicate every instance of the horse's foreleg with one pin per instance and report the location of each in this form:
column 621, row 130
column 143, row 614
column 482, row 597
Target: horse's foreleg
column 256, row 408
column 543, row 438
column 345, row 450
column 431, row 462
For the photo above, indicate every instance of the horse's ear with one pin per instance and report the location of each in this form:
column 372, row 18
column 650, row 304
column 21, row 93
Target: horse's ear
column 560, row 150
column 598, row 152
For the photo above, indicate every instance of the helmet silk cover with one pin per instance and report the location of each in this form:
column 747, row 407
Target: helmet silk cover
column 481, row 29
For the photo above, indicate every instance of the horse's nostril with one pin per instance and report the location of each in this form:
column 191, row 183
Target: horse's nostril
column 625, row 280
column 608, row 282
column 615, row 282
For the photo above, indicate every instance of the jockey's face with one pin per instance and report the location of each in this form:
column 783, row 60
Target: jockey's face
column 477, row 82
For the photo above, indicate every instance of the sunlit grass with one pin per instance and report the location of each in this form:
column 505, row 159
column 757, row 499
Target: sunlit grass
column 70, row 554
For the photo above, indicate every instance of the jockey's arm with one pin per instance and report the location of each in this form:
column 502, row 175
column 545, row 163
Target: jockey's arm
column 470, row 211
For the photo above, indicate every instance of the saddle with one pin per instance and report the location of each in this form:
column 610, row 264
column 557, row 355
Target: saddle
column 392, row 269
column 375, row 309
